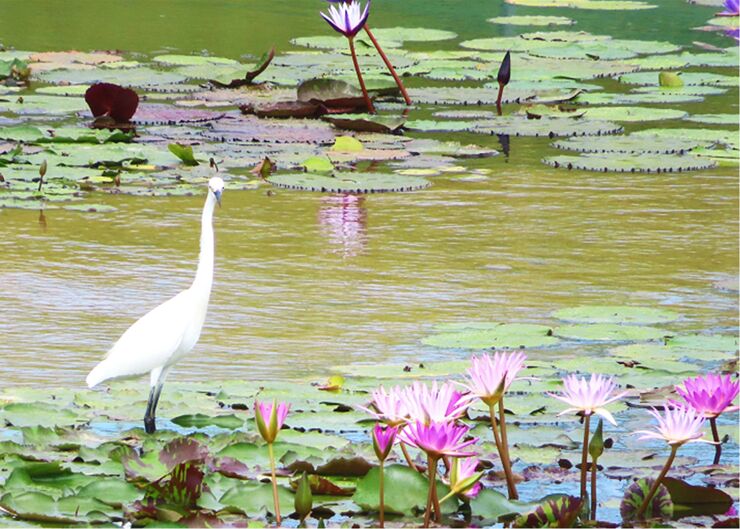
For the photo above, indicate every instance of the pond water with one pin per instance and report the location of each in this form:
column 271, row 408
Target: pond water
column 307, row 281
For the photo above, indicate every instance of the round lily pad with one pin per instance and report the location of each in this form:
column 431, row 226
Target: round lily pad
column 631, row 163
column 618, row 113
column 725, row 137
column 349, row 182
column 192, row 60
column 412, row 34
column 521, row 126
column 610, row 332
column 600, row 50
column 715, row 119
column 691, row 78
column 628, row 144
column 140, row 77
column 495, row 335
column 532, row 20
column 652, row 98
column 616, row 314
column 704, row 342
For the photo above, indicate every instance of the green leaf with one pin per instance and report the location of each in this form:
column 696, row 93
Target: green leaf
column 616, row 314
column 405, row 491
column 492, row 505
column 184, row 152
column 693, row 500
column 346, row 182
column 660, row 506
column 494, row 335
column 607, row 332
column 347, row 144
column 670, row 79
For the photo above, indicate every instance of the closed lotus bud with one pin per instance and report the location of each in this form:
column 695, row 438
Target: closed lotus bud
column 504, row 71
column 270, row 418
column 42, row 169
column 303, row 497
column 596, row 446
column 383, row 439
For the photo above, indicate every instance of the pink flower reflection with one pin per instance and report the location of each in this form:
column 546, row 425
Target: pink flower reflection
column 343, row 219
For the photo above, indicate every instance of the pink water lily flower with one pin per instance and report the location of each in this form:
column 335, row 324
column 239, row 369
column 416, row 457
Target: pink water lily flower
column 388, row 406
column 678, row 425
column 348, row 18
column 438, row 439
column 491, row 375
column 438, row 403
column 589, row 396
column 383, row 438
column 710, row 395
column 270, row 418
column 464, row 477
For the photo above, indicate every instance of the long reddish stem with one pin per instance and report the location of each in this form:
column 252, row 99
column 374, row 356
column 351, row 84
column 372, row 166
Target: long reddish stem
column 368, row 103
column 715, row 437
column 584, row 456
column 388, row 65
column 511, row 486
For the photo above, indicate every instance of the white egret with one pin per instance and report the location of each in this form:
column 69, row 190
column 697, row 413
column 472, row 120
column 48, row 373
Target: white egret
column 163, row 336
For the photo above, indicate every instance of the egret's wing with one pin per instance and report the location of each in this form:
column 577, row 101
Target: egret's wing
column 149, row 342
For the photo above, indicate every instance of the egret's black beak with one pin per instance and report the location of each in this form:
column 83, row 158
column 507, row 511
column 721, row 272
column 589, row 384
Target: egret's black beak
column 217, row 194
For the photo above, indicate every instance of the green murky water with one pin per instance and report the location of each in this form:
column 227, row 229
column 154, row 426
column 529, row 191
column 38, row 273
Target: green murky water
column 306, row 281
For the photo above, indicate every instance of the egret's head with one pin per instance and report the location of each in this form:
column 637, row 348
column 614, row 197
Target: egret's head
column 216, row 186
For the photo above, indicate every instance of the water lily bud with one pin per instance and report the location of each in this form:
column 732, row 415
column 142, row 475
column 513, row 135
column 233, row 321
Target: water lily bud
column 596, row 446
column 504, row 71
column 303, row 497
column 270, row 418
column 42, row 169
column 464, row 479
column 383, row 439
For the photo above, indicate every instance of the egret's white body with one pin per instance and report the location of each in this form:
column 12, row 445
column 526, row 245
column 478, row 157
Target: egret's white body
column 163, row 336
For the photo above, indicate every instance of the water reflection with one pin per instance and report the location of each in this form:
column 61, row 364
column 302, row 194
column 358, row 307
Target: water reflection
column 343, row 221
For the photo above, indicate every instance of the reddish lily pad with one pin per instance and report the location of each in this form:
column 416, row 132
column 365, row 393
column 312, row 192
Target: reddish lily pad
column 107, row 99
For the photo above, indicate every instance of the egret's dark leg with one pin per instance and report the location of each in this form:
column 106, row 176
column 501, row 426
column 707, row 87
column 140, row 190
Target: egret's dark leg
column 151, row 407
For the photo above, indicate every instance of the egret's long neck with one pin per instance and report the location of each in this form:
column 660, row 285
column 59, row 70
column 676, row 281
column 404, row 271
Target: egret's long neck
column 204, row 275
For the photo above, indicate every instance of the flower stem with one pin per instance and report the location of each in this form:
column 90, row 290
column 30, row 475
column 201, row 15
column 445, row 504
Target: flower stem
column 501, row 453
column 511, row 486
column 715, row 436
column 500, row 96
column 274, row 483
column 593, row 489
column 388, row 65
column 382, row 495
column 432, row 464
column 368, row 103
column 406, row 456
column 584, row 456
column 641, row 511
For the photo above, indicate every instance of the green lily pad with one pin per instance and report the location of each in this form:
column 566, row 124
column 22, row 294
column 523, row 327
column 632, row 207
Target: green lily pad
column 349, row 182
column 412, row 34
column 405, row 491
column 38, row 414
column 628, row 144
column 192, row 60
column 255, row 498
column 715, row 119
column 517, row 125
column 532, row 20
column 653, row 98
column 42, row 104
column 631, row 163
column 689, row 79
column 609, row 332
column 617, row 113
column 725, row 137
column 653, row 351
column 200, row 420
column 616, row 314
column 704, row 342
column 138, row 77
column 499, row 336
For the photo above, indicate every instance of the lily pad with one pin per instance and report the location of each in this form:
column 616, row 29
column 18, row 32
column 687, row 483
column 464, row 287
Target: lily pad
column 616, row 314
column 610, row 332
column 628, row 144
column 715, row 119
column 522, row 126
column 601, row 5
column 495, row 335
column 192, row 60
column 631, row 163
column 617, row 113
column 349, row 182
column 689, row 79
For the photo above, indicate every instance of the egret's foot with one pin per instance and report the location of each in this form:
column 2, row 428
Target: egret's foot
column 149, row 425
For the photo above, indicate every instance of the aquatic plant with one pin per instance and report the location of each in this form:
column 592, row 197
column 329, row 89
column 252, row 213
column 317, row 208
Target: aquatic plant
column 732, row 8
column 348, row 18
column 383, row 438
column 270, row 418
column 677, row 426
column 488, row 379
column 503, row 77
column 587, row 397
column 112, row 101
column 464, row 478
column 437, row 440
column 436, row 403
column 711, row 395
column 595, row 449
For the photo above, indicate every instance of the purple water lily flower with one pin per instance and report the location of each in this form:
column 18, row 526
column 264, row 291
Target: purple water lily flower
column 347, row 18
column 438, row 439
column 383, row 438
column 270, row 418
column 710, row 395
column 732, row 8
